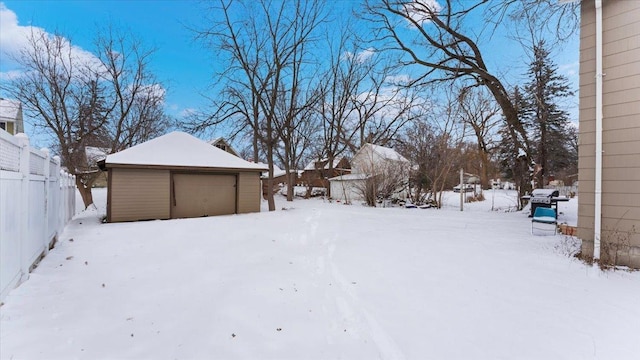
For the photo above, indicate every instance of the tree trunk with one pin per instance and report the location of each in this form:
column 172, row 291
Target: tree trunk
column 484, row 172
column 290, row 182
column 270, row 200
column 325, row 181
column 291, row 179
column 85, row 192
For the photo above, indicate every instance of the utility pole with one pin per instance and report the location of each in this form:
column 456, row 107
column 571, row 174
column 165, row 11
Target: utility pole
column 462, row 190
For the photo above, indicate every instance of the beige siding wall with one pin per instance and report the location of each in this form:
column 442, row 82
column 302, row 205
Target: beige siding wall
column 248, row 192
column 139, row 194
column 621, row 131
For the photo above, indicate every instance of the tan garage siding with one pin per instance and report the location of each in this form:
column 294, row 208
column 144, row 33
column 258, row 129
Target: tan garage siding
column 138, row 194
column 621, row 131
column 249, row 192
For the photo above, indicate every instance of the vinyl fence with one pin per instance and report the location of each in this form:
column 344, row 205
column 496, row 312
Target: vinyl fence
column 37, row 200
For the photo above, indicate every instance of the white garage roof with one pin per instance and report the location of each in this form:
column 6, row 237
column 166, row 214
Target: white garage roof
column 181, row 150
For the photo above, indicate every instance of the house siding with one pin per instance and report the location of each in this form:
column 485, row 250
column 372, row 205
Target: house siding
column 620, row 236
column 248, row 192
column 347, row 190
column 139, row 194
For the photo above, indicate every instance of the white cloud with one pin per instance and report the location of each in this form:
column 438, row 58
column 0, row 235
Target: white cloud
column 401, row 79
column 420, row 10
column 361, row 57
column 153, row 91
column 14, row 38
column 364, row 55
column 10, row 75
column 188, row 112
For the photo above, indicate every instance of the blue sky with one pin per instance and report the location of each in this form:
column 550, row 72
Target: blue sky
column 184, row 66
column 181, row 64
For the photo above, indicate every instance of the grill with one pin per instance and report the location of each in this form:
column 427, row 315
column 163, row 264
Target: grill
column 543, row 198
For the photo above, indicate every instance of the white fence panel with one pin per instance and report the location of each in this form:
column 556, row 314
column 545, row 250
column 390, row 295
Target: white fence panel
column 37, row 200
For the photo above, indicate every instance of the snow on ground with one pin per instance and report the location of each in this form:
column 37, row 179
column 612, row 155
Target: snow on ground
column 322, row 280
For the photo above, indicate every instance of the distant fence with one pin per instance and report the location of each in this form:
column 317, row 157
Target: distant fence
column 37, row 200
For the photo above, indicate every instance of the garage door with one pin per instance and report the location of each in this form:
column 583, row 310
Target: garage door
column 196, row 195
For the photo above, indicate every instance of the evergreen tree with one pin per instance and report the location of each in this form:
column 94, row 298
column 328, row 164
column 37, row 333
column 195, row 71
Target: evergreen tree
column 547, row 121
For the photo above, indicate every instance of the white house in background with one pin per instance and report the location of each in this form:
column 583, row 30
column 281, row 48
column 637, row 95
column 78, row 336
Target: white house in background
column 348, row 188
column 11, row 116
column 383, row 163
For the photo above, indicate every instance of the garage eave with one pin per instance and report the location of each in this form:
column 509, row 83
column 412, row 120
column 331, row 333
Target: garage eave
column 182, row 168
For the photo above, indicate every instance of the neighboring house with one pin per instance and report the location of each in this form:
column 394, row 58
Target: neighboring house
column 279, row 178
column 390, row 169
column 179, row 176
column 348, row 188
column 222, row 144
column 93, row 156
column 618, row 206
column 11, row 116
column 317, row 173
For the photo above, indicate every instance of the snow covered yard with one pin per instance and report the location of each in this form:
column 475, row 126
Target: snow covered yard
column 322, row 280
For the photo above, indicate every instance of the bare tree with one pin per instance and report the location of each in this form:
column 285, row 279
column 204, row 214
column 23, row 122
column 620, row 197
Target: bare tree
column 437, row 42
column 263, row 46
column 108, row 99
column 338, row 87
column 433, row 145
column 481, row 114
column 385, row 106
column 296, row 126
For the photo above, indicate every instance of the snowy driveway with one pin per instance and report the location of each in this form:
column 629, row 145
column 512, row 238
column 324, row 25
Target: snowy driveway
column 320, row 281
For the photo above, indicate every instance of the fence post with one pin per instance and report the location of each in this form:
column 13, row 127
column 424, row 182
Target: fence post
column 47, row 199
column 25, row 153
column 72, row 196
column 59, row 207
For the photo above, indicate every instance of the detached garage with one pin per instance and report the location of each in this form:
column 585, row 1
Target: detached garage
column 179, row 176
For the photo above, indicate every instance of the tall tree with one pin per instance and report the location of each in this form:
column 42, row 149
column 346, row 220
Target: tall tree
column 346, row 71
column 438, row 42
column 545, row 91
column 480, row 113
column 386, row 106
column 264, row 43
column 433, row 145
column 107, row 99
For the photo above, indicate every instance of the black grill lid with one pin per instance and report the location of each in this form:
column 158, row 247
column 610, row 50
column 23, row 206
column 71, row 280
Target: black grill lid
column 545, row 193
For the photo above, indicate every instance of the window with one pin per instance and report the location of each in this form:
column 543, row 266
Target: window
column 221, row 146
column 3, row 125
